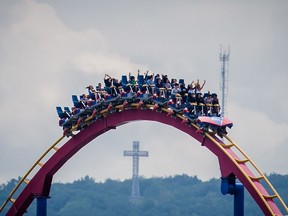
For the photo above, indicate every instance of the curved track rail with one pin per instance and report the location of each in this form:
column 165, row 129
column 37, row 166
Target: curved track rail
column 231, row 158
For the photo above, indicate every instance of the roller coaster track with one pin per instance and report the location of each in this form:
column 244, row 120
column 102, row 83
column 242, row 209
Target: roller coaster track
column 232, row 158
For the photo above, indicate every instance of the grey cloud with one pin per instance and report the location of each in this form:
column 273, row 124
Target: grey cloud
column 59, row 47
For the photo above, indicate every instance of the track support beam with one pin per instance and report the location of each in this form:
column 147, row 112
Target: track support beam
column 41, row 207
column 229, row 186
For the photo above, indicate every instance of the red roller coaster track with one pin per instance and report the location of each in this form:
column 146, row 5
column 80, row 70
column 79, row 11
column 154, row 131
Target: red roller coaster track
column 229, row 160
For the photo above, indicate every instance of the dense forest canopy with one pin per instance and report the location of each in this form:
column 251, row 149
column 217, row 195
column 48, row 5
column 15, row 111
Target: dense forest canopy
column 174, row 195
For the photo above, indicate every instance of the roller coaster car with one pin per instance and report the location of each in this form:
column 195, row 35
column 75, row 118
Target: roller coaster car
column 190, row 117
column 63, row 114
column 214, row 124
column 129, row 96
column 176, row 107
column 93, row 106
column 215, row 120
column 77, row 103
column 65, row 120
column 69, row 119
column 143, row 97
column 176, row 103
column 111, row 99
column 161, row 101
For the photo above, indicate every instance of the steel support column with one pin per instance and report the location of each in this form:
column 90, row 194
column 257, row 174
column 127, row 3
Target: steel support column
column 41, row 208
column 229, row 186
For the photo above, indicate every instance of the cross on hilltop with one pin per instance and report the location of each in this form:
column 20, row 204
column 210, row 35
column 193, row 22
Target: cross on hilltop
column 135, row 194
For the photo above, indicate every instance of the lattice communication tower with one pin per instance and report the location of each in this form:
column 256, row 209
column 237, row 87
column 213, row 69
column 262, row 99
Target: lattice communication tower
column 224, row 59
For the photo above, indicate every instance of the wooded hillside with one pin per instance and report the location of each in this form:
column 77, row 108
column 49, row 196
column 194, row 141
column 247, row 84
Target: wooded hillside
column 178, row 195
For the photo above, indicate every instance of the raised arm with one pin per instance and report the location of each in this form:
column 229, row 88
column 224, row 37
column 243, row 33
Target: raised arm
column 203, row 84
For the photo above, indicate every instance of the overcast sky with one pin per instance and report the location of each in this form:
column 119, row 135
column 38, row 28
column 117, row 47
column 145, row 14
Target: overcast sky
column 51, row 49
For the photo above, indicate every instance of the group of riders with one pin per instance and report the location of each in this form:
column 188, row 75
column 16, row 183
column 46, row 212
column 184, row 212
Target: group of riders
column 157, row 90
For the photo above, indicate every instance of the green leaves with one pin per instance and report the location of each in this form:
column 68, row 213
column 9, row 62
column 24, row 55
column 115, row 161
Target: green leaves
column 178, row 195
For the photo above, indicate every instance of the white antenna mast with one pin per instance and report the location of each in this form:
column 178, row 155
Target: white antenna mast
column 224, row 59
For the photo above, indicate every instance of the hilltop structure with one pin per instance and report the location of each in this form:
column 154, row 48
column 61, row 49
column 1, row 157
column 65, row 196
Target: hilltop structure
column 135, row 153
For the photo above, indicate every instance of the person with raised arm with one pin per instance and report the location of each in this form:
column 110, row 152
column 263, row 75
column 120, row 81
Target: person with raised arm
column 198, row 87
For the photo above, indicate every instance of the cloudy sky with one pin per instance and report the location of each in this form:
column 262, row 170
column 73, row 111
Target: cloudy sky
column 51, row 49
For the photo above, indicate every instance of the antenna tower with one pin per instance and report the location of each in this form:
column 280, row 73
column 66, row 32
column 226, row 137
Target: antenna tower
column 224, row 59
